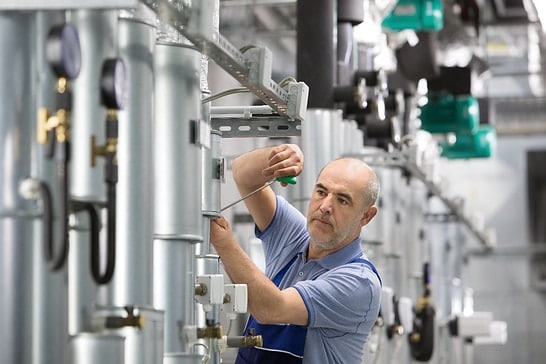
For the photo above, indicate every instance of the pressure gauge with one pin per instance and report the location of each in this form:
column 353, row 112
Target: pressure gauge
column 63, row 51
column 113, row 84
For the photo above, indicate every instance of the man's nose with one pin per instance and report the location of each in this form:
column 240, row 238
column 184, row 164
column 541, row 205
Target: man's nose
column 326, row 204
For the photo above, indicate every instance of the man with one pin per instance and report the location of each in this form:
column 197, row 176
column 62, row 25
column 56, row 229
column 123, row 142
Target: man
column 320, row 297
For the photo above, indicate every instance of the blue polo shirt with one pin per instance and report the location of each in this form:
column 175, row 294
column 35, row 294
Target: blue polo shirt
column 342, row 295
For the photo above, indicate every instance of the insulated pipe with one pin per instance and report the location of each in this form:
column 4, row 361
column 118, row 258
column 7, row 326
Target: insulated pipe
column 320, row 142
column 92, row 348
column 178, row 222
column 344, row 54
column 316, row 50
column 132, row 281
column 17, row 130
column 178, row 148
column 50, row 292
column 97, row 31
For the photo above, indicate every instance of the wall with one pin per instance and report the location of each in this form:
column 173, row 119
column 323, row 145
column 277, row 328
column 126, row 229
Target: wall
column 502, row 281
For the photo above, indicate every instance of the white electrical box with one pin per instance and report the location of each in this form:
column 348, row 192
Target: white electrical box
column 475, row 324
column 405, row 313
column 387, row 305
column 237, row 299
column 213, row 290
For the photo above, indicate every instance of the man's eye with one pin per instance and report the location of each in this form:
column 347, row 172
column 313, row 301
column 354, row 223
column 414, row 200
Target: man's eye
column 343, row 201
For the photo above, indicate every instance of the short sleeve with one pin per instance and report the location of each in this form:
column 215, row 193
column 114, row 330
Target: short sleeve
column 343, row 298
column 284, row 236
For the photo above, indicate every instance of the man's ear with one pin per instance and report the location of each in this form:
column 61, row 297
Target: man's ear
column 368, row 215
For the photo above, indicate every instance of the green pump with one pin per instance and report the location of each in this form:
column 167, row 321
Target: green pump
column 446, row 113
column 422, row 15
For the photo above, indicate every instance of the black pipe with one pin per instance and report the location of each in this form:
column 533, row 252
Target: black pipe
column 55, row 257
column 111, row 179
column 349, row 14
column 316, row 50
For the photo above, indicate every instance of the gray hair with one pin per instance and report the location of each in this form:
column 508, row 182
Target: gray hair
column 371, row 192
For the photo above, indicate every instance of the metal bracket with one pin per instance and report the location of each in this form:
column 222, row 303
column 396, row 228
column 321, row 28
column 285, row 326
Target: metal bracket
column 256, row 127
column 194, row 25
column 66, row 4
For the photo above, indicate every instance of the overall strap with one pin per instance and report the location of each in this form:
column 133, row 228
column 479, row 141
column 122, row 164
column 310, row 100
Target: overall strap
column 281, row 343
column 279, row 276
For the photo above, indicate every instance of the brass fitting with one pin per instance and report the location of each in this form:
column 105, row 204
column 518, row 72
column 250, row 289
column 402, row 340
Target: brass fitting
column 131, row 320
column 110, row 146
column 252, row 340
column 200, row 289
column 210, row 332
column 47, row 122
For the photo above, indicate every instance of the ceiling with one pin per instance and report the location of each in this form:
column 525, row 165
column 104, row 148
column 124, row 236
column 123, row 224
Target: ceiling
column 504, row 38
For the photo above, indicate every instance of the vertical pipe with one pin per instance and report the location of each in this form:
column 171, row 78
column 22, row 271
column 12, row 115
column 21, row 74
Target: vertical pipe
column 132, row 281
column 178, row 153
column 316, row 51
column 97, row 31
column 92, row 348
column 178, row 173
column 50, row 301
column 207, row 262
column 17, row 120
column 320, row 144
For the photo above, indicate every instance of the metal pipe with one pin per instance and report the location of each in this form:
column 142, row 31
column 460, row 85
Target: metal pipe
column 320, row 143
column 50, row 291
column 178, row 172
column 97, row 31
column 91, row 348
column 132, row 282
column 17, row 111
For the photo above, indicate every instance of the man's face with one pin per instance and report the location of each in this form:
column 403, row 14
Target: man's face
column 336, row 209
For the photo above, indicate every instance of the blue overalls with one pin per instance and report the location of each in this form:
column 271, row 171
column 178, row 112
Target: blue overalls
column 282, row 343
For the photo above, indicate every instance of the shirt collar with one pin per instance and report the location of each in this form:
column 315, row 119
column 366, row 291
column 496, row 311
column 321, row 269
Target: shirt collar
column 337, row 258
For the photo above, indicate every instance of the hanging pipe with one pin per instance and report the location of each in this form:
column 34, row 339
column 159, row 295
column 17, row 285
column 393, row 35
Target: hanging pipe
column 64, row 57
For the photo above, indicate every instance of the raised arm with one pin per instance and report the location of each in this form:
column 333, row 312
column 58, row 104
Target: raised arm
column 255, row 168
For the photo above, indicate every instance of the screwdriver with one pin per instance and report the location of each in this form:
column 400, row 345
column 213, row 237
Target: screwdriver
column 286, row 179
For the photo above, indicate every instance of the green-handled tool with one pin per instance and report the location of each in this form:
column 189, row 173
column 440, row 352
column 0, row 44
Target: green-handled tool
column 286, row 179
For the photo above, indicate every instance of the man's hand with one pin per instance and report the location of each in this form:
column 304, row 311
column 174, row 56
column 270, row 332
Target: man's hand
column 284, row 160
column 221, row 235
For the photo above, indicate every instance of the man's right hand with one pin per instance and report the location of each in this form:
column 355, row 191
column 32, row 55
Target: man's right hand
column 284, row 160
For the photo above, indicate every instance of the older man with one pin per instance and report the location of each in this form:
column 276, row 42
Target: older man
column 320, row 296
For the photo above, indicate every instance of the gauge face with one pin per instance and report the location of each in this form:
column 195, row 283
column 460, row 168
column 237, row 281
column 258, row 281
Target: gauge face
column 114, row 84
column 63, row 51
